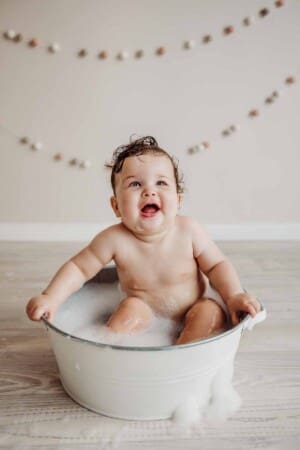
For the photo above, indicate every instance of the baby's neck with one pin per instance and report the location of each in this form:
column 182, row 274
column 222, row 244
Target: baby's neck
column 151, row 238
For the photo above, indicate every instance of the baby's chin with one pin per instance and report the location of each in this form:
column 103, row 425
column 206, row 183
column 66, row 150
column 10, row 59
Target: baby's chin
column 149, row 229
column 152, row 227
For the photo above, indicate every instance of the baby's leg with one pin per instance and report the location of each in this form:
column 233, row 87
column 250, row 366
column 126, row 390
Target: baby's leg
column 205, row 318
column 132, row 315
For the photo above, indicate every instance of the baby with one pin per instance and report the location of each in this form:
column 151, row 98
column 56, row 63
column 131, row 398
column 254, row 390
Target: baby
column 164, row 261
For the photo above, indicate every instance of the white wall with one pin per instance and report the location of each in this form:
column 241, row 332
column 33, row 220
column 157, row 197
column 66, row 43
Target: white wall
column 86, row 108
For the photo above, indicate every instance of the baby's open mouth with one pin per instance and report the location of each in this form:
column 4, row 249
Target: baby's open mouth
column 150, row 210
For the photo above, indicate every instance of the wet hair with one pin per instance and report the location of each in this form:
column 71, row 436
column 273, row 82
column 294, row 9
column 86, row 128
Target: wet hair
column 144, row 146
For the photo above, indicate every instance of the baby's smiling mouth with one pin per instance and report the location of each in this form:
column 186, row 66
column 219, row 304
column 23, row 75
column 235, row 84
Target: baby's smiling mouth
column 150, row 210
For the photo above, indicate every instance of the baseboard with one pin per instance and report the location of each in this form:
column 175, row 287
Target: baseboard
column 51, row 232
column 255, row 232
column 17, row 231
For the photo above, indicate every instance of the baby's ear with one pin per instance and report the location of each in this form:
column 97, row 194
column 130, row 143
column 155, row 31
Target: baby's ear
column 114, row 205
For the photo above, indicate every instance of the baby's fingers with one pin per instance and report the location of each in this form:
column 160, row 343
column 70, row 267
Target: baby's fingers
column 235, row 317
column 36, row 312
column 252, row 308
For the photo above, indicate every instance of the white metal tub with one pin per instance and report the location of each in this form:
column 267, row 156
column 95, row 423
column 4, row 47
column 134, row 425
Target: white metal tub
column 144, row 383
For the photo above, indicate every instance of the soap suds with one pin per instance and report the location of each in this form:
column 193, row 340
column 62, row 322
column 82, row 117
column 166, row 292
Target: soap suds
column 89, row 323
column 225, row 401
column 188, row 412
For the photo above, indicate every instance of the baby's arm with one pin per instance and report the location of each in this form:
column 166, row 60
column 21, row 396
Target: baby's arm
column 222, row 275
column 71, row 276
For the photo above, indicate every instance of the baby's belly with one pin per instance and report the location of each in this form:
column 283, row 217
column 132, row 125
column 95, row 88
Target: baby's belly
column 171, row 301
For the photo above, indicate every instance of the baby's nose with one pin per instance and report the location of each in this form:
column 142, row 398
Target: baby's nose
column 149, row 193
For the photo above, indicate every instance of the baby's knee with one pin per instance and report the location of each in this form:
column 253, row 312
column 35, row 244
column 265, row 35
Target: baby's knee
column 204, row 319
column 132, row 315
column 131, row 303
column 206, row 309
column 135, row 305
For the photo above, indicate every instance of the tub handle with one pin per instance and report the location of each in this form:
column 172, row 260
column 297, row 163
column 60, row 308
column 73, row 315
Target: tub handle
column 250, row 322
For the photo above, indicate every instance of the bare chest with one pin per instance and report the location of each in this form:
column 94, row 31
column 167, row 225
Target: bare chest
column 143, row 268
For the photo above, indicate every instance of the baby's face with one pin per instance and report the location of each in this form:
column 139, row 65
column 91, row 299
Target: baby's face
column 146, row 196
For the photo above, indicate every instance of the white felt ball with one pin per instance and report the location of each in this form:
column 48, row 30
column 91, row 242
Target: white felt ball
column 85, row 164
column 54, row 48
column 37, row 146
column 248, row 21
column 189, row 44
column 11, row 34
column 123, row 55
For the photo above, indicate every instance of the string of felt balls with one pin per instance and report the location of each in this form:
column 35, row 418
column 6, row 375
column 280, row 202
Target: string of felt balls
column 37, row 147
column 251, row 114
column 16, row 37
column 204, row 145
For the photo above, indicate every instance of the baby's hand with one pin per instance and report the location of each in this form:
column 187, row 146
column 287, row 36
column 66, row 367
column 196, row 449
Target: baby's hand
column 242, row 303
column 41, row 305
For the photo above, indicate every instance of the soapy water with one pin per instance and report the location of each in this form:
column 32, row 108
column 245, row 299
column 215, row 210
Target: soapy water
column 90, row 323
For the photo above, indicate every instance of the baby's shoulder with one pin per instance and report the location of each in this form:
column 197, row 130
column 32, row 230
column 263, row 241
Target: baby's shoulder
column 187, row 223
column 110, row 233
column 191, row 227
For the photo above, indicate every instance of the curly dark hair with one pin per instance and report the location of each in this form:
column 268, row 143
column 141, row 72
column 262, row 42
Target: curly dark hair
column 141, row 146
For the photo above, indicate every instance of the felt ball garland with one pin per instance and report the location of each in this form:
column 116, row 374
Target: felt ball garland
column 37, row 146
column 253, row 113
column 123, row 54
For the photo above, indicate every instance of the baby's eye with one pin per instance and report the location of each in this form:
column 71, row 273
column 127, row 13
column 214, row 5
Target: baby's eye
column 162, row 183
column 135, row 184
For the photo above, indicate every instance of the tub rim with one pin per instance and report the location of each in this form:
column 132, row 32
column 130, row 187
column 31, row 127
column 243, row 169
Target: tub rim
column 241, row 325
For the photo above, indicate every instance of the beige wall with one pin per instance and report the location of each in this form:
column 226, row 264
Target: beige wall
column 86, row 108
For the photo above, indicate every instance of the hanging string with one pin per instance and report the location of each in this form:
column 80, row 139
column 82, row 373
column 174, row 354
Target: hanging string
column 17, row 37
column 252, row 114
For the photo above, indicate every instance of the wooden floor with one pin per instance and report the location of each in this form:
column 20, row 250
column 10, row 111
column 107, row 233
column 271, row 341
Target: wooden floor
column 36, row 413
